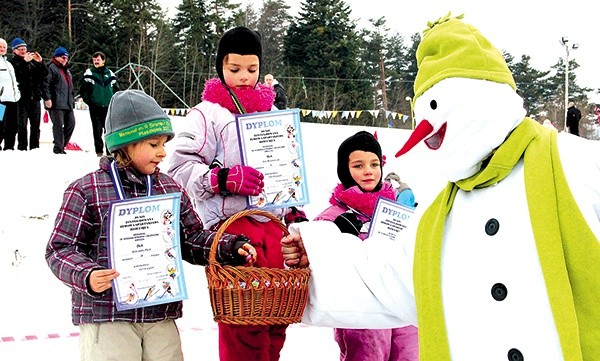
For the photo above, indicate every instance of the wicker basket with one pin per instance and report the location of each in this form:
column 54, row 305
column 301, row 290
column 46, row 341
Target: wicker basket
column 255, row 295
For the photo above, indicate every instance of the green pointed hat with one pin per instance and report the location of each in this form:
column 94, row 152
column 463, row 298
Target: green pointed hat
column 452, row 49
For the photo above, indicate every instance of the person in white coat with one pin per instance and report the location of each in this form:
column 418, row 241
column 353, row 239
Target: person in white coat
column 503, row 264
column 9, row 96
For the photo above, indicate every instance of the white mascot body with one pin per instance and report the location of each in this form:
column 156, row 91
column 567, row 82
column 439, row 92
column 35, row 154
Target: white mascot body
column 504, row 264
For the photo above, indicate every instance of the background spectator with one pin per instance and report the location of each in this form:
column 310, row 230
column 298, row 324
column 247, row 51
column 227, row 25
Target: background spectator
column 98, row 86
column 280, row 98
column 30, row 72
column 404, row 194
column 59, row 99
column 9, row 95
column 573, row 117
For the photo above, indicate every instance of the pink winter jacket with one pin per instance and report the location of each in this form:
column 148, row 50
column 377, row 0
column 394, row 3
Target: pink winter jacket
column 354, row 198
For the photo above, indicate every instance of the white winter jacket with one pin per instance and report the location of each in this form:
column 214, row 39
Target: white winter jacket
column 9, row 87
column 208, row 135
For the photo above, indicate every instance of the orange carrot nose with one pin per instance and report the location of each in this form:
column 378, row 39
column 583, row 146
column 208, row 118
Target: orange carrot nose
column 421, row 132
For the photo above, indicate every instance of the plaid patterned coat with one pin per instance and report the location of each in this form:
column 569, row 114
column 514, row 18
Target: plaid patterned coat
column 78, row 243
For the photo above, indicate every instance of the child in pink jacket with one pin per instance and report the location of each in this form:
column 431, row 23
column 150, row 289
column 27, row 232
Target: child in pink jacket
column 352, row 204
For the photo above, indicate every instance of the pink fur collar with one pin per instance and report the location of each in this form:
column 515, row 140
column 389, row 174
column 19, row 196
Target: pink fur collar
column 259, row 99
column 359, row 200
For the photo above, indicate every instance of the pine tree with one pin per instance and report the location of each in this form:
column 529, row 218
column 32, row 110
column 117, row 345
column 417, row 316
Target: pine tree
column 195, row 39
column 321, row 49
column 530, row 85
column 272, row 25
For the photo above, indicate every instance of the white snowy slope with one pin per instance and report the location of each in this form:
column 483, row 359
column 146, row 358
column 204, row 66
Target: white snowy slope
column 36, row 322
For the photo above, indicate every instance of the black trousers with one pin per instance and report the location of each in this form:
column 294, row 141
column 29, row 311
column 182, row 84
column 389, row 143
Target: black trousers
column 32, row 111
column 26, row 110
column 63, row 124
column 9, row 125
column 574, row 128
column 98, row 117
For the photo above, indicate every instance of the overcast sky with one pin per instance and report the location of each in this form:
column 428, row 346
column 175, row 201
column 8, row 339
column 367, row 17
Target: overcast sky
column 520, row 27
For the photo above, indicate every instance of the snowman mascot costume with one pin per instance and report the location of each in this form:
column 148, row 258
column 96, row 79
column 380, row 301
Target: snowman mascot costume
column 505, row 263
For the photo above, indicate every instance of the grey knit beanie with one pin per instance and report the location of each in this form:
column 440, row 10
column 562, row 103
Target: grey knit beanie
column 132, row 117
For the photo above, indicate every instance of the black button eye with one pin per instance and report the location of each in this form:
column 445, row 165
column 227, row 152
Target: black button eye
column 492, row 226
column 433, row 104
column 499, row 292
column 515, row 355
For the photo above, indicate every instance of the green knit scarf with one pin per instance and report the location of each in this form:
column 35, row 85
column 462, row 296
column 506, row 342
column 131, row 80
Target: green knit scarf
column 568, row 250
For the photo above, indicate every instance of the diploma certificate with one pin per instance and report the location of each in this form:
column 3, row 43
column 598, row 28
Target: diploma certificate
column 143, row 241
column 389, row 218
column 271, row 142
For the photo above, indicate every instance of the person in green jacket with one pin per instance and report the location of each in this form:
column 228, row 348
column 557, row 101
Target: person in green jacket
column 98, row 86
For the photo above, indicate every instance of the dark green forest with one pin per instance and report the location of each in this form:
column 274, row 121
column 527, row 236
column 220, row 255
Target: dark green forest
column 323, row 59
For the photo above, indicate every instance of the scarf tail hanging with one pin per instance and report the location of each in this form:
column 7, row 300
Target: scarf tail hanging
column 568, row 249
column 433, row 340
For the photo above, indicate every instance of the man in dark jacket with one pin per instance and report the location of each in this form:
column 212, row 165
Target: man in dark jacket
column 30, row 72
column 573, row 117
column 59, row 99
column 280, row 98
column 97, row 88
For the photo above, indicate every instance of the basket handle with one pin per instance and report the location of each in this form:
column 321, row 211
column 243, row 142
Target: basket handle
column 212, row 256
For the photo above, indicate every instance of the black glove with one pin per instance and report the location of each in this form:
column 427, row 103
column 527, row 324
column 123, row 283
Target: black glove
column 295, row 215
column 348, row 223
column 238, row 242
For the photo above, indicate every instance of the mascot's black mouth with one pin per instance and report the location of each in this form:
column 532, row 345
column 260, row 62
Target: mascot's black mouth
column 436, row 140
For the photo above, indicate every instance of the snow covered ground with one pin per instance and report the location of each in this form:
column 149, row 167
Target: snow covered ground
column 36, row 321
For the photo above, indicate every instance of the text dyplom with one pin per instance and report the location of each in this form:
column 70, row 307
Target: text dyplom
column 143, row 241
column 389, row 218
column 271, row 142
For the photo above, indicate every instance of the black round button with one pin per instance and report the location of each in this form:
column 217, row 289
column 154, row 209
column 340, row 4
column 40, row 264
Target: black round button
column 515, row 355
column 499, row 292
column 491, row 227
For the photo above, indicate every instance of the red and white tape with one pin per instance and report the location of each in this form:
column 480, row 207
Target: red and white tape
column 54, row 336
column 49, row 336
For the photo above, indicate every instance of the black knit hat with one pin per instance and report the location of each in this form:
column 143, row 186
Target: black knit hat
column 239, row 40
column 364, row 141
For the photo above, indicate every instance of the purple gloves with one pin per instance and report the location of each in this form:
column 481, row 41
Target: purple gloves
column 239, row 179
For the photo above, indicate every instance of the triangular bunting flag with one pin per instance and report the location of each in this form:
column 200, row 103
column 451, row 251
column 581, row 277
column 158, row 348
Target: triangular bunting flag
column 334, row 113
column 404, row 117
column 358, row 113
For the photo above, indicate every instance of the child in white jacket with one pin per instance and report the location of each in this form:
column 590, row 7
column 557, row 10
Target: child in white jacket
column 207, row 162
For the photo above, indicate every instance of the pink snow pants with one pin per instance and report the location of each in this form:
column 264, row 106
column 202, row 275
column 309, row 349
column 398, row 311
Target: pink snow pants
column 396, row 344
